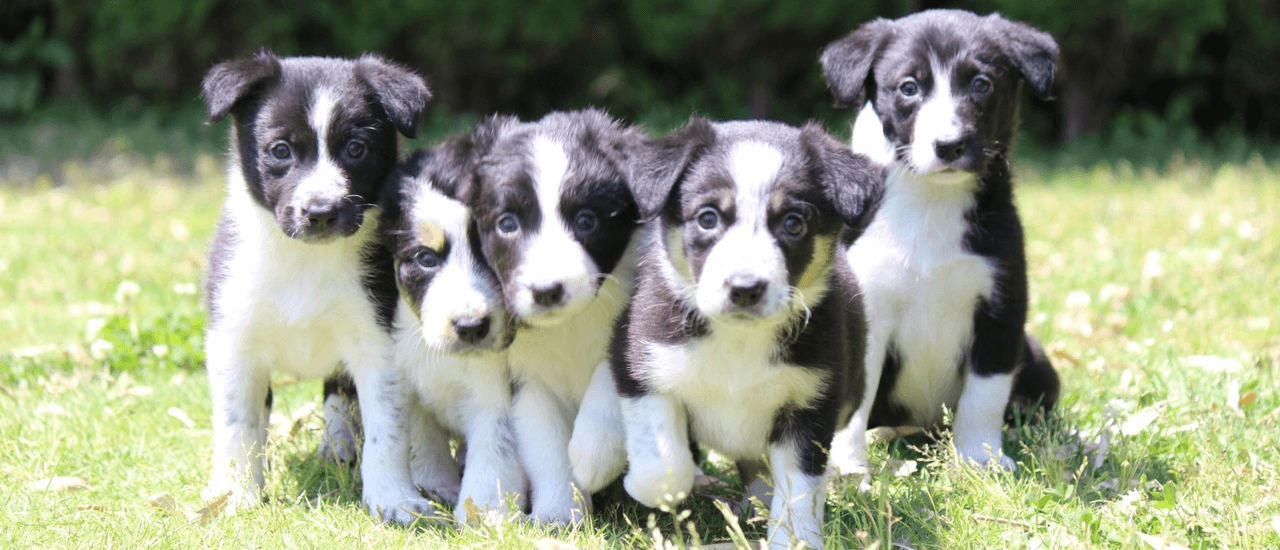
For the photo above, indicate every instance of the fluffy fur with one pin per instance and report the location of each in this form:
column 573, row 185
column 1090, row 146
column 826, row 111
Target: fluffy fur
column 745, row 331
column 942, row 266
column 298, row 280
column 451, row 334
column 556, row 219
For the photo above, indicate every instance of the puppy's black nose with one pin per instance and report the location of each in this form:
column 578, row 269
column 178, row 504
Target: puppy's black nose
column 471, row 330
column 548, row 295
column 949, row 150
column 320, row 216
column 747, row 294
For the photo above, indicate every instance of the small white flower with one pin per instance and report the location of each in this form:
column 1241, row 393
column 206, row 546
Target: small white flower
column 160, row 350
column 127, row 291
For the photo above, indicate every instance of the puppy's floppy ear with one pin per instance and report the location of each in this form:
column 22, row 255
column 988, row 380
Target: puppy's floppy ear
column 455, row 161
column 658, row 164
column 847, row 62
column 402, row 93
column 1033, row 52
column 852, row 182
column 230, row 81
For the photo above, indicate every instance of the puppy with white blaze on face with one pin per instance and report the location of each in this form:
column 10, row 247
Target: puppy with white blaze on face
column 942, row 266
column 451, row 337
column 298, row 277
column 745, row 333
column 555, row 220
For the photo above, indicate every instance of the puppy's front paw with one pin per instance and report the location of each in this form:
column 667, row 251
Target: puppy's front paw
column 404, row 511
column 984, row 456
column 340, row 441
column 656, row 483
column 440, row 485
column 596, row 458
column 854, row 471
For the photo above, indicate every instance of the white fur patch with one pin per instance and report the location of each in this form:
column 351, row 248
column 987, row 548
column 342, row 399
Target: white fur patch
column 747, row 251
column 326, row 183
column 662, row 469
column 935, row 121
column 978, row 419
column 795, row 514
column 553, row 256
column 868, row 136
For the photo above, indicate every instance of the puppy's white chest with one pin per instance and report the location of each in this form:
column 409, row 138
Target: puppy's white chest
column 731, row 387
column 297, row 307
column 921, row 286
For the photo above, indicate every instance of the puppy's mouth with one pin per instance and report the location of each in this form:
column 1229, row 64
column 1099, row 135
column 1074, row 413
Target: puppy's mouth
column 324, row 226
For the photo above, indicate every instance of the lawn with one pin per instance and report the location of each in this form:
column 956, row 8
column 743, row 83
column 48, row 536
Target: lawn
column 1155, row 293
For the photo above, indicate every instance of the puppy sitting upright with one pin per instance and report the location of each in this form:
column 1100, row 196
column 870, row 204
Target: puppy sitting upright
column 451, row 337
column 297, row 263
column 745, row 332
column 942, row 266
column 555, row 218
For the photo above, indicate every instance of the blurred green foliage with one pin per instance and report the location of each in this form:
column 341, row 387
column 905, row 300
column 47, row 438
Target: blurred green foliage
column 1209, row 67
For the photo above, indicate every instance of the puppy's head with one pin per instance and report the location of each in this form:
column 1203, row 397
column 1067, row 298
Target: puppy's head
column 943, row 84
column 315, row 137
column 440, row 271
column 553, row 208
column 749, row 214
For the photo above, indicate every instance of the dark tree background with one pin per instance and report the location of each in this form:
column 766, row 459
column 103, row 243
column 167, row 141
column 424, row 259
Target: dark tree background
column 1211, row 66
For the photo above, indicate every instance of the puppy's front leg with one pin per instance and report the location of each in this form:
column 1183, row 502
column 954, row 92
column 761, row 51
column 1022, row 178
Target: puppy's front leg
column 849, row 446
column 388, row 490
column 998, row 338
column 493, row 477
column 240, row 391
column 662, row 468
column 597, row 449
column 542, row 434
column 795, row 515
column 432, row 468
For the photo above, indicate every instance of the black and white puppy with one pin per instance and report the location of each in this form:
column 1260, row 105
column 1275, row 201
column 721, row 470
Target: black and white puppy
column 556, row 218
column 297, row 270
column 745, row 332
column 451, row 337
column 942, row 266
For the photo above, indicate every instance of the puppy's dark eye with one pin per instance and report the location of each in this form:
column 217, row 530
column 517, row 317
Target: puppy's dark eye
column 585, row 223
column 981, row 85
column 507, row 223
column 793, row 224
column 708, row 218
column 909, row 88
column 281, row 150
column 355, row 149
column 427, row 258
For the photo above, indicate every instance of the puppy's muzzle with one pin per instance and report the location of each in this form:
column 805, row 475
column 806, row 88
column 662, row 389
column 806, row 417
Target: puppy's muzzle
column 325, row 219
column 471, row 330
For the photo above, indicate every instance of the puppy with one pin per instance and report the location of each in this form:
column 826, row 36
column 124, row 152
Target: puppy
column 745, row 332
column 297, row 270
column 451, row 336
column 942, row 266
column 555, row 219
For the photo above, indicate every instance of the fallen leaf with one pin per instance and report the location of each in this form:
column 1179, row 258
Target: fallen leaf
column 166, row 502
column 1247, row 399
column 58, row 483
column 1139, row 422
column 93, row 507
column 1063, row 355
column 1160, row 543
column 211, row 510
column 181, row 416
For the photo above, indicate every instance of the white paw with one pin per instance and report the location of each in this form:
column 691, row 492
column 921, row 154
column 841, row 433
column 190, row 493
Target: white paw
column 404, row 511
column 656, row 483
column 557, row 515
column 983, row 456
column 340, row 441
column 596, row 460
column 470, row 512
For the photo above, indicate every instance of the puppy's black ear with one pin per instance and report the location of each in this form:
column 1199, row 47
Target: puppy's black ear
column 847, row 62
column 852, row 182
column 402, row 93
column 1033, row 52
column 659, row 164
column 457, row 159
column 231, row 81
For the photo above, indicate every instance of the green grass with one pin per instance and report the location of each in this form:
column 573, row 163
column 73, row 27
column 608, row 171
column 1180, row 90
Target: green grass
column 1155, row 292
